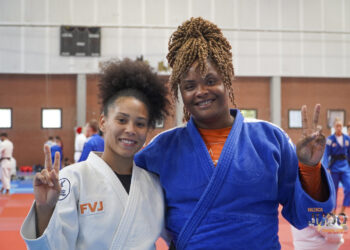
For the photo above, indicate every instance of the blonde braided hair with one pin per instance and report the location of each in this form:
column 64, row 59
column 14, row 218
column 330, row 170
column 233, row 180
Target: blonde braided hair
column 199, row 39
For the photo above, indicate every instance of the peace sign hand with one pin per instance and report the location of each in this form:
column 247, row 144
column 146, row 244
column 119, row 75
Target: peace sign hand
column 46, row 183
column 311, row 146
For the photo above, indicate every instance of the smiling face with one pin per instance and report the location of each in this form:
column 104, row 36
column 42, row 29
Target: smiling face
column 206, row 97
column 125, row 127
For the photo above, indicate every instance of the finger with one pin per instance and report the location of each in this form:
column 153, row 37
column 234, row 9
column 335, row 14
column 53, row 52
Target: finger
column 55, row 180
column 305, row 141
column 48, row 160
column 304, row 120
column 47, row 177
column 316, row 116
column 56, row 164
column 39, row 179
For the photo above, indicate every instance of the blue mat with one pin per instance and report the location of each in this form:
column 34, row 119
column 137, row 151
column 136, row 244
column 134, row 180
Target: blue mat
column 21, row 186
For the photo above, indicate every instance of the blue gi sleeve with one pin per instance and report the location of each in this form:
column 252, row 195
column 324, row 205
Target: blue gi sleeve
column 86, row 151
column 149, row 157
column 298, row 206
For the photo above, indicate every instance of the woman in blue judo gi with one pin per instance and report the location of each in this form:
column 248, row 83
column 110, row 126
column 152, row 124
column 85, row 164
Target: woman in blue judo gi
column 336, row 158
column 224, row 176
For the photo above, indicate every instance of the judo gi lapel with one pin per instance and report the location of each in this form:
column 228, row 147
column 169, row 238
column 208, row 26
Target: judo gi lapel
column 200, row 150
column 101, row 166
column 128, row 204
column 129, row 214
column 215, row 183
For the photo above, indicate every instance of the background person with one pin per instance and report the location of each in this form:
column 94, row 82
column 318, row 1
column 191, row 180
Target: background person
column 79, row 142
column 94, row 141
column 6, row 151
column 50, row 141
column 336, row 159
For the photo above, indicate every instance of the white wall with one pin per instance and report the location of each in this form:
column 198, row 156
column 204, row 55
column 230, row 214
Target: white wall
column 269, row 37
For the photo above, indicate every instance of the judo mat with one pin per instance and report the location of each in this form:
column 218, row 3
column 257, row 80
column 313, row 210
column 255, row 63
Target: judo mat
column 15, row 206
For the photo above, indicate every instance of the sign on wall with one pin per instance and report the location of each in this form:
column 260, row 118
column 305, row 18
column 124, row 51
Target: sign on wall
column 80, row 41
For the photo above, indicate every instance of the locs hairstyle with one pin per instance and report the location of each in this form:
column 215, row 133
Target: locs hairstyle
column 136, row 79
column 199, row 39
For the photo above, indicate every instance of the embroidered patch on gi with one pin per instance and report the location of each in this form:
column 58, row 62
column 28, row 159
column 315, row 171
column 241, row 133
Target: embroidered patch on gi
column 65, row 188
column 90, row 208
column 329, row 142
column 334, row 145
column 347, row 143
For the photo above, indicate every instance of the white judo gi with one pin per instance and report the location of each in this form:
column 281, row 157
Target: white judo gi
column 94, row 210
column 6, row 150
column 310, row 238
column 79, row 142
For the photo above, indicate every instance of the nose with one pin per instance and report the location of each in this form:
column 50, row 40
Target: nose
column 202, row 90
column 130, row 128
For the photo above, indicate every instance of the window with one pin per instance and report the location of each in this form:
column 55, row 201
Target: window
column 160, row 124
column 294, row 118
column 51, row 118
column 249, row 113
column 5, row 118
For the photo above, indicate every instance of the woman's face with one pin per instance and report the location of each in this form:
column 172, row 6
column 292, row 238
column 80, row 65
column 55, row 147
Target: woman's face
column 338, row 128
column 125, row 127
column 205, row 97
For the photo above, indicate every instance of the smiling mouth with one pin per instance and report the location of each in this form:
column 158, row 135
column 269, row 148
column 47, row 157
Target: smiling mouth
column 128, row 142
column 205, row 103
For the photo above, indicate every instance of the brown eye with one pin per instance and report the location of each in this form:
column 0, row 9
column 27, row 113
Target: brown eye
column 211, row 82
column 121, row 120
column 141, row 124
column 189, row 87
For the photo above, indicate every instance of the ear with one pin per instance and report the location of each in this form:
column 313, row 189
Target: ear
column 102, row 122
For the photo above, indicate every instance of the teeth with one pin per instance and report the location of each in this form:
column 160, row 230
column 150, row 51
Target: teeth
column 126, row 141
column 204, row 102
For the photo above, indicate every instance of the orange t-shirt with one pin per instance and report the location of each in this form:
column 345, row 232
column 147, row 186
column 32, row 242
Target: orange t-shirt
column 214, row 139
column 310, row 177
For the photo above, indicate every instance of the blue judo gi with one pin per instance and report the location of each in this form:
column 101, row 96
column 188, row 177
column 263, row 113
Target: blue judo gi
column 235, row 204
column 336, row 159
column 93, row 143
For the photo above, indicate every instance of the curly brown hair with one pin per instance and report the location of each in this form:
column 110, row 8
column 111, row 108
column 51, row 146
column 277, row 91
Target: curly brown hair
column 199, row 39
column 136, row 79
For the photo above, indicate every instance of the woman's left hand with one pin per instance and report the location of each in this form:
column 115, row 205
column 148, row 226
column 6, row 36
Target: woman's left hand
column 310, row 147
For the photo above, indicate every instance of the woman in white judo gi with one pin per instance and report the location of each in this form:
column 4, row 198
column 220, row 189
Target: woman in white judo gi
column 105, row 202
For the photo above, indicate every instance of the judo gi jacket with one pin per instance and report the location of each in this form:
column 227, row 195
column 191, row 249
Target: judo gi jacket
column 93, row 143
column 334, row 150
column 235, row 204
column 95, row 212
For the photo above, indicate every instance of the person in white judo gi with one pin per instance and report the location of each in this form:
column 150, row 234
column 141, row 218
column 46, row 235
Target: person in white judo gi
column 79, row 142
column 6, row 150
column 105, row 202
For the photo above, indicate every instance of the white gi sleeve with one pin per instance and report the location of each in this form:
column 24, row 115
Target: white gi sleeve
column 63, row 228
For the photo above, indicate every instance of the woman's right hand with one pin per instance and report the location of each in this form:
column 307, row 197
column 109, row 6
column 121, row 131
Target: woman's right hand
column 46, row 183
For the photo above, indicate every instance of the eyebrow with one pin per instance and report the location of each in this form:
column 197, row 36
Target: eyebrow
column 210, row 75
column 127, row 115
column 188, row 81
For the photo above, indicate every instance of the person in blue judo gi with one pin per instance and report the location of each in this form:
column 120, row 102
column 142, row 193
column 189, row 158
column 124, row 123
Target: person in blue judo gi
column 95, row 142
column 224, row 176
column 336, row 158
